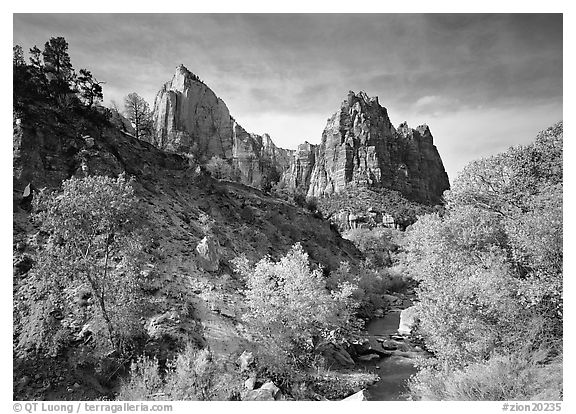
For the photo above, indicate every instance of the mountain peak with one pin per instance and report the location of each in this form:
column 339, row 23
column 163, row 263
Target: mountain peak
column 361, row 96
column 183, row 78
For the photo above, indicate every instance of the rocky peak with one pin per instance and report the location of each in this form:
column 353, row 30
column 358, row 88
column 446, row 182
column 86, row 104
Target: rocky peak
column 361, row 147
column 190, row 118
column 183, row 79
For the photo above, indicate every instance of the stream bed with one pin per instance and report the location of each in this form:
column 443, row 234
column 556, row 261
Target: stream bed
column 393, row 370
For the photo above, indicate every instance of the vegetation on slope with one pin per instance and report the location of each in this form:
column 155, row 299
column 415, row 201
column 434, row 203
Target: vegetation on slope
column 489, row 268
column 490, row 273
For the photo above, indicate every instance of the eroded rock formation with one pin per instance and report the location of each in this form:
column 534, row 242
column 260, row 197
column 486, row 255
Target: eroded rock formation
column 301, row 165
column 361, row 147
column 189, row 118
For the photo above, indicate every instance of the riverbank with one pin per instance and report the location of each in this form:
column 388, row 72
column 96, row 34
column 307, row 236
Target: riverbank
column 388, row 354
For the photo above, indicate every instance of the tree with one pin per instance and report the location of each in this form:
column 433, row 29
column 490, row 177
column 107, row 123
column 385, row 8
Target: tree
column 18, row 56
column 490, row 269
column 57, row 65
column 88, row 87
column 36, row 58
column 92, row 224
column 220, row 168
column 290, row 305
column 138, row 112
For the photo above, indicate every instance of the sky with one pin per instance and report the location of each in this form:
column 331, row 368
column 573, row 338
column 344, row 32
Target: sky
column 480, row 82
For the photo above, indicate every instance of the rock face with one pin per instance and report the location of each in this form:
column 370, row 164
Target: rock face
column 301, row 165
column 208, row 255
column 408, row 319
column 189, row 118
column 361, row 147
column 256, row 159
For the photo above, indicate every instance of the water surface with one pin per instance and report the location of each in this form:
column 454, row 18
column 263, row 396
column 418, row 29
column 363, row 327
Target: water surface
column 394, row 370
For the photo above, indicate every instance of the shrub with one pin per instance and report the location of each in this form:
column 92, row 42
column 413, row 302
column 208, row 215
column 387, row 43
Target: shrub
column 220, row 168
column 369, row 285
column 299, row 198
column 377, row 244
column 194, row 374
column 289, row 304
column 500, row 378
column 311, row 204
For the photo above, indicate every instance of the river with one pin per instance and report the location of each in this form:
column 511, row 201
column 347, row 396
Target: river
column 393, row 370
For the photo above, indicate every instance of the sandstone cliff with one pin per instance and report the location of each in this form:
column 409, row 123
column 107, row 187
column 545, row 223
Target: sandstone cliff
column 189, row 118
column 301, row 165
column 361, row 147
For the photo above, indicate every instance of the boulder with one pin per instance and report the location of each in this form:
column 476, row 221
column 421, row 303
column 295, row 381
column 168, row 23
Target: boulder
column 250, row 383
column 368, row 357
column 208, row 252
column 335, row 355
column 164, row 325
column 392, row 300
column 389, row 345
column 272, row 388
column 258, row 395
column 359, row 396
column 408, row 319
column 361, row 347
column 245, row 360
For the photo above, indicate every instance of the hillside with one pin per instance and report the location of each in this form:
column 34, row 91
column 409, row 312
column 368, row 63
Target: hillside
column 189, row 297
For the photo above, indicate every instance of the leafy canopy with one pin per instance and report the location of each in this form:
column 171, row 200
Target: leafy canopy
column 290, row 305
column 93, row 223
column 490, row 269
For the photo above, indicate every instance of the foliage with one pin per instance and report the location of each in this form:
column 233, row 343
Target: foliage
column 299, row 198
column 500, row 378
column 369, row 282
column 57, row 65
column 490, row 269
column 139, row 114
column 221, row 169
column 193, row 375
column 89, row 88
column 50, row 79
column 18, row 56
column 312, row 204
column 92, row 224
column 377, row 244
column 336, row 386
column 290, row 305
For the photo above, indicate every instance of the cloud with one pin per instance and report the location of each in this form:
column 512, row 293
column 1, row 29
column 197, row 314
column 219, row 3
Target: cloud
column 467, row 134
column 436, row 104
column 273, row 70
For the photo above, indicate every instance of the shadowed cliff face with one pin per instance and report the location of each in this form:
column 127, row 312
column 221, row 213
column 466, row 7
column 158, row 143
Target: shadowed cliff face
column 301, row 166
column 361, row 147
column 190, row 118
